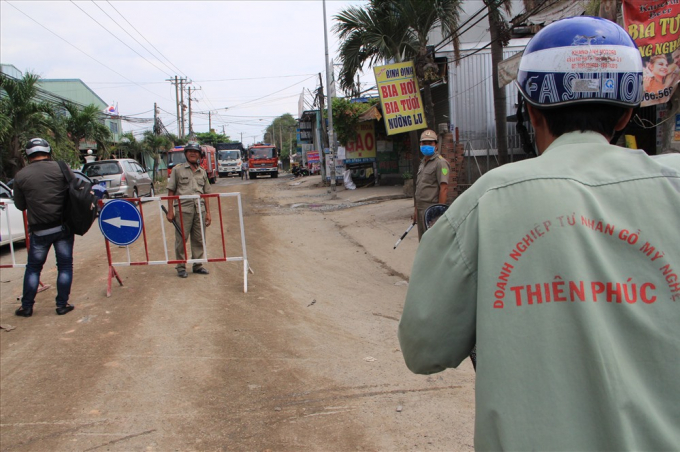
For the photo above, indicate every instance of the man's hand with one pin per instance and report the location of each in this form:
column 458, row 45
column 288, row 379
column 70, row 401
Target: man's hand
column 208, row 219
column 170, row 215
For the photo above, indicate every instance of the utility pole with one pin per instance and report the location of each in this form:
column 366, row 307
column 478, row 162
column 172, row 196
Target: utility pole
column 331, row 133
column 209, row 122
column 179, row 102
column 181, row 93
column 191, row 128
column 324, row 135
column 156, row 131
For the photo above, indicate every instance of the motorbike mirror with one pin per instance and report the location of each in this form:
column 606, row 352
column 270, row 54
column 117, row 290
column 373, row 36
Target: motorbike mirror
column 433, row 213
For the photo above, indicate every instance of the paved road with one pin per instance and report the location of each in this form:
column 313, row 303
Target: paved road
column 306, row 360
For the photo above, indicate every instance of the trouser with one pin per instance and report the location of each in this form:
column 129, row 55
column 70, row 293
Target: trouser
column 191, row 223
column 62, row 242
column 421, row 207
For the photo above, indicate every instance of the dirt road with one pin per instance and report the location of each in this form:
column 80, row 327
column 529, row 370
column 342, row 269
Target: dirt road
column 308, row 359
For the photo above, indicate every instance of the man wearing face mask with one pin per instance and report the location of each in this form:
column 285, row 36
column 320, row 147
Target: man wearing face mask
column 432, row 181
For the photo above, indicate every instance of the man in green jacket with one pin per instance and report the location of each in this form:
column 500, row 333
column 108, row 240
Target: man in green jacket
column 562, row 269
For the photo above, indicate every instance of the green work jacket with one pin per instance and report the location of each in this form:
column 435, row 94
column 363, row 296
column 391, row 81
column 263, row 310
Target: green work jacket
column 563, row 270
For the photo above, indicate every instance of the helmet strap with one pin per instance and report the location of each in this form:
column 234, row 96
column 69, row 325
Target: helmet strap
column 525, row 139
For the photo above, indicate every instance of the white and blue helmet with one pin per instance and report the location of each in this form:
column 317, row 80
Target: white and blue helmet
column 581, row 59
column 36, row 145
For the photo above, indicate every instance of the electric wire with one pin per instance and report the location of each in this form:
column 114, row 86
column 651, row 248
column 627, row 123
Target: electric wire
column 140, row 34
column 119, row 26
column 83, row 52
column 123, row 42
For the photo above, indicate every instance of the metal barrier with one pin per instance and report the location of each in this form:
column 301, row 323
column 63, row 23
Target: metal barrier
column 5, row 219
column 224, row 258
column 4, row 213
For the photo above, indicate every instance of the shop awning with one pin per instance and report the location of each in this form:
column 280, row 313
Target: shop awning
column 371, row 114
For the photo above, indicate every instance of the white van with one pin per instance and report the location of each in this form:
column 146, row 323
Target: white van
column 229, row 162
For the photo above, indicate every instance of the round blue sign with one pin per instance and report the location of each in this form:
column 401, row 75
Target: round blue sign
column 120, row 222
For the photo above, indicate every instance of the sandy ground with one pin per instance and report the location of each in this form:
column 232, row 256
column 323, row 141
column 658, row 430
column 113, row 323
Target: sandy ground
column 307, row 359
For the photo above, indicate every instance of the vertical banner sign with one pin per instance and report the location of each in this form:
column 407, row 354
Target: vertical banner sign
column 654, row 25
column 400, row 97
column 362, row 149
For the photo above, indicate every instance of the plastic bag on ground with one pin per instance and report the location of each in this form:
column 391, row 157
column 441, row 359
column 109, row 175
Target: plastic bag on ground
column 349, row 184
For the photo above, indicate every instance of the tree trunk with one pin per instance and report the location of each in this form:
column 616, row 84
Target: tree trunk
column 16, row 161
column 415, row 160
column 428, row 105
column 499, row 101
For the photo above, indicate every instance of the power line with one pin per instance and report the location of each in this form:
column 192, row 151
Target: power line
column 109, row 32
column 81, row 51
column 275, row 92
column 119, row 26
column 140, row 34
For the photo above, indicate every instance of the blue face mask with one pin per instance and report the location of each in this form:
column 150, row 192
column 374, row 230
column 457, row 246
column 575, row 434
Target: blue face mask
column 427, row 150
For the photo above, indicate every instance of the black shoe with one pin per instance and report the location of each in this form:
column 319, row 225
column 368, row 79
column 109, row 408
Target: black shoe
column 182, row 273
column 201, row 271
column 21, row 312
column 61, row 310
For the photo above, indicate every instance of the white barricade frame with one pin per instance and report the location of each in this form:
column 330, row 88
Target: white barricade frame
column 163, row 220
column 4, row 213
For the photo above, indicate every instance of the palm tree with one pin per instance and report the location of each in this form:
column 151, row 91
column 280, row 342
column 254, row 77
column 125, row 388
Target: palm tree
column 129, row 146
column 85, row 124
column 153, row 144
column 371, row 34
column 21, row 118
column 396, row 30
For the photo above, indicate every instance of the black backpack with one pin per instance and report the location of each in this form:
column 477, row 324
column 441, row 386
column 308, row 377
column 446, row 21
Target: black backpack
column 81, row 203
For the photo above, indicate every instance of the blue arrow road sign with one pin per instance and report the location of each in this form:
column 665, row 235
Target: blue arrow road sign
column 120, row 222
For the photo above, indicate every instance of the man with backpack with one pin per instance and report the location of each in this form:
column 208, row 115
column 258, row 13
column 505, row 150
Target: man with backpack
column 41, row 189
column 562, row 269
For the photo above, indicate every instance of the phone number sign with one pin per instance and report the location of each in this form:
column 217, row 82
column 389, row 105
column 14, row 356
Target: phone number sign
column 400, row 97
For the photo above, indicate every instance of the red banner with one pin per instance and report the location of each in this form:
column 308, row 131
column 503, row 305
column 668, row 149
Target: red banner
column 654, row 25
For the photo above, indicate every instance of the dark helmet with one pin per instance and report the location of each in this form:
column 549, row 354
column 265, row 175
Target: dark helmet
column 192, row 146
column 581, row 59
column 36, row 145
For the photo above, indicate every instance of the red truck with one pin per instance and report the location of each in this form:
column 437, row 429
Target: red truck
column 176, row 156
column 263, row 158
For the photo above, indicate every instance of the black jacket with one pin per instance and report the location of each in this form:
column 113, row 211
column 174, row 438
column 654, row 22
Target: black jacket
column 41, row 190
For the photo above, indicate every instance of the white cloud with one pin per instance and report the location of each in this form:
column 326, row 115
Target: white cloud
column 207, row 41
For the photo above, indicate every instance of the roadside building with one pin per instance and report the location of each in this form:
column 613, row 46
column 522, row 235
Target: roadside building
column 76, row 91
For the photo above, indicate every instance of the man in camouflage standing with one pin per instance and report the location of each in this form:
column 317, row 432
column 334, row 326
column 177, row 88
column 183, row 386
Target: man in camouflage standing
column 190, row 179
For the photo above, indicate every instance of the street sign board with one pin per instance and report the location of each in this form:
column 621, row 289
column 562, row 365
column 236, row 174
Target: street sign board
column 120, row 222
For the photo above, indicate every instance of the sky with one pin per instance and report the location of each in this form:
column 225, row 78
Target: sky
column 248, row 60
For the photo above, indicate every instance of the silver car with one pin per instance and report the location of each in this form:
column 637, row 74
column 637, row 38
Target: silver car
column 124, row 178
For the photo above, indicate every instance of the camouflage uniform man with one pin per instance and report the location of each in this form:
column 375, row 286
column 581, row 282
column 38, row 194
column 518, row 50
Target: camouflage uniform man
column 190, row 179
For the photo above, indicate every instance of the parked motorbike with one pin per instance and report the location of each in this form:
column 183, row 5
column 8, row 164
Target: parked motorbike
column 299, row 171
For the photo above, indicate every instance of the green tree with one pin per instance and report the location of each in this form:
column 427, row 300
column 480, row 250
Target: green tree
column 395, row 30
column 346, row 117
column 212, row 138
column 282, row 133
column 86, row 124
column 129, row 147
column 153, row 144
column 22, row 117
